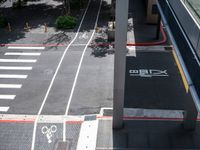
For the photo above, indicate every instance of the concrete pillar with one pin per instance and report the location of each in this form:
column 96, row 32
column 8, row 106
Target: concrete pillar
column 151, row 17
column 120, row 61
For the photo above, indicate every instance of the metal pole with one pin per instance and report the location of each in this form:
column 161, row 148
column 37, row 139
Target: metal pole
column 120, row 61
column 191, row 113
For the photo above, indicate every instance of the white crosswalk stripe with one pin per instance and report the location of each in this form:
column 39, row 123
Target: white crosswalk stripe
column 4, row 109
column 19, row 60
column 15, row 68
column 10, row 97
column 13, row 76
column 26, row 48
column 22, row 54
column 12, row 86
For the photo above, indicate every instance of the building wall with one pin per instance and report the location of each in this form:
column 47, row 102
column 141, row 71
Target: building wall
column 151, row 17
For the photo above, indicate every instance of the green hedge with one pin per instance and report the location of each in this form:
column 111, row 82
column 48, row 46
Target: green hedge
column 3, row 21
column 66, row 22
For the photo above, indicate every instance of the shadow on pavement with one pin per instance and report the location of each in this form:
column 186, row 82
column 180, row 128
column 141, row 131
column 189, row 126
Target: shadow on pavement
column 36, row 14
column 147, row 134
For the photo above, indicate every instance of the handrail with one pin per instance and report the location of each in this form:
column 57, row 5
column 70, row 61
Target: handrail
column 185, row 70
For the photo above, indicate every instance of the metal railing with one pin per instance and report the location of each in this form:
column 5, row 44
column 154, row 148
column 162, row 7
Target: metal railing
column 183, row 44
column 194, row 7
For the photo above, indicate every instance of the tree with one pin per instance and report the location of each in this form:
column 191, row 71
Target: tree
column 66, row 4
column 19, row 3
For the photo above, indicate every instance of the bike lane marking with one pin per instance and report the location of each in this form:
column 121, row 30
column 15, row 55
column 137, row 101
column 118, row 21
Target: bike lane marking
column 52, row 81
column 77, row 73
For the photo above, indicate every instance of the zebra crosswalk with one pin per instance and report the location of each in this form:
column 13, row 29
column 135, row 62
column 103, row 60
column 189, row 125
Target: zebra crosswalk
column 14, row 70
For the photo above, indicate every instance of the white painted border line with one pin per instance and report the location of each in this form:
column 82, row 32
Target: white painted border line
column 4, row 109
column 88, row 135
column 103, row 108
column 19, row 60
column 78, row 70
column 13, row 76
column 22, row 54
column 79, row 44
column 14, row 68
column 81, row 60
column 26, row 48
column 53, row 79
column 12, row 86
column 11, row 97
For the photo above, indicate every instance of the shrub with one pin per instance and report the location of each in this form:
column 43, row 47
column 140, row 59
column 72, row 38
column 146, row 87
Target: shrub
column 65, row 22
column 3, row 21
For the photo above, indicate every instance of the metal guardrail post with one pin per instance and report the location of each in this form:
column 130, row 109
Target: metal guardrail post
column 120, row 61
column 190, row 114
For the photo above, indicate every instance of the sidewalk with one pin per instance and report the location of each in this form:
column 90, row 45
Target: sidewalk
column 155, row 96
column 144, row 134
column 35, row 15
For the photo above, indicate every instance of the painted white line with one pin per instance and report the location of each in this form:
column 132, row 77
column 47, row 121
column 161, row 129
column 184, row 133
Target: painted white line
column 19, row 60
column 13, row 76
column 26, row 48
column 11, row 97
column 81, row 60
column 12, row 86
column 14, row 68
column 77, row 72
column 4, row 109
column 153, row 113
column 54, row 76
column 88, row 135
column 22, row 54
column 103, row 108
column 132, row 50
column 79, row 44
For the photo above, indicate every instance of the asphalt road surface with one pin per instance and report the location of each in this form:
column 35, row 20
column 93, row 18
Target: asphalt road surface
column 54, row 82
column 51, row 94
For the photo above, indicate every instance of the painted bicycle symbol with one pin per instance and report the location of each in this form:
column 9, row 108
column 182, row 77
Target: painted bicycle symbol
column 49, row 132
column 83, row 36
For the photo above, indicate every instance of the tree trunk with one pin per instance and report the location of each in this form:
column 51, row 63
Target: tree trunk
column 68, row 7
column 19, row 3
column 66, row 4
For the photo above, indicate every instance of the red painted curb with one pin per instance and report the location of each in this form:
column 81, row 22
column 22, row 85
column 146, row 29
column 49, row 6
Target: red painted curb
column 17, row 121
column 74, row 122
column 34, row 45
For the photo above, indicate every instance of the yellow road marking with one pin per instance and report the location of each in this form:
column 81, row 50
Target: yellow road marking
column 186, row 85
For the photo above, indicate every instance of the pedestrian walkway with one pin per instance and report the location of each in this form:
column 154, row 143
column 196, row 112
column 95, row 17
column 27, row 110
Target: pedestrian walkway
column 146, row 134
column 15, row 65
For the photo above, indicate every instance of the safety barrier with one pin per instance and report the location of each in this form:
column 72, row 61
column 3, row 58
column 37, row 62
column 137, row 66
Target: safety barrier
column 184, row 44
